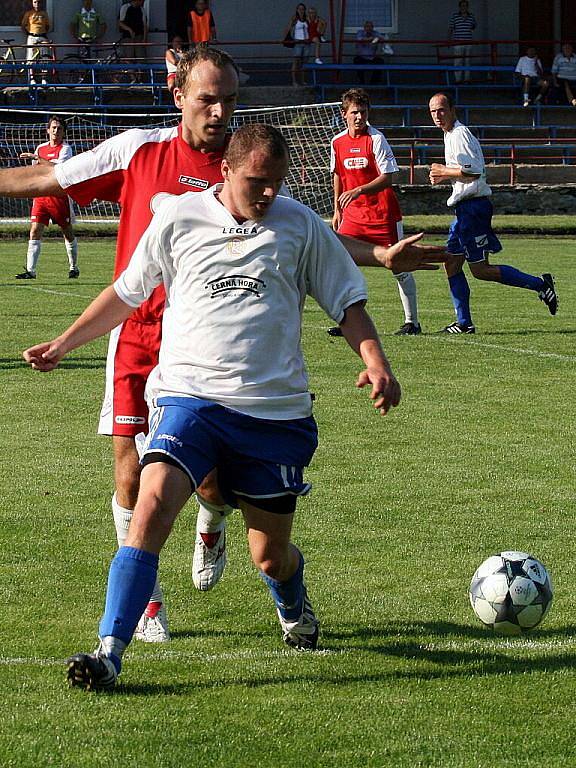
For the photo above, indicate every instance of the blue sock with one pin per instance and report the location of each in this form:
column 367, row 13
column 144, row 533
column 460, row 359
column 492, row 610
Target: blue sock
column 513, row 276
column 460, row 292
column 130, row 583
column 288, row 595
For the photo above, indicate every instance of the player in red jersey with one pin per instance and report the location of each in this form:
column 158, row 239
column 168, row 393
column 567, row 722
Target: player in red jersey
column 131, row 168
column 47, row 209
column 365, row 205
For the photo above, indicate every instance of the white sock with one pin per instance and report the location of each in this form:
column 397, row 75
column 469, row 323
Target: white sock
column 122, row 517
column 210, row 516
column 526, row 97
column 72, row 252
column 34, row 248
column 408, row 296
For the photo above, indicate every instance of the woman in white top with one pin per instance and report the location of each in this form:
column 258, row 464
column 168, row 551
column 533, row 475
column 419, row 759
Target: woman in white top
column 300, row 33
column 173, row 56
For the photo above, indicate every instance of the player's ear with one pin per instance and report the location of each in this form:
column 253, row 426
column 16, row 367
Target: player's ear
column 225, row 168
column 178, row 97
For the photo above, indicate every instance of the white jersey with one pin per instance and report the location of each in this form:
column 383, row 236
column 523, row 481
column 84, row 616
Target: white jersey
column 235, row 295
column 462, row 149
column 529, row 67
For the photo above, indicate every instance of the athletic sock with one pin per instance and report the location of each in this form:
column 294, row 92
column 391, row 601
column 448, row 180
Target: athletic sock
column 408, row 296
column 526, row 97
column 72, row 252
column 130, row 582
column 210, row 515
column 34, row 248
column 460, row 292
column 288, row 595
column 512, row 276
column 122, row 517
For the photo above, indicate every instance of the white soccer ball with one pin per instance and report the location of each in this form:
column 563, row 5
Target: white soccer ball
column 511, row 592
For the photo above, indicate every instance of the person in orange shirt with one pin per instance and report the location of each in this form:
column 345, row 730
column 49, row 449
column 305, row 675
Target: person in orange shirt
column 35, row 23
column 201, row 26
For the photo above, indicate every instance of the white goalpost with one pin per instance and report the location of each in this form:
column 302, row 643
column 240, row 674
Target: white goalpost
column 307, row 129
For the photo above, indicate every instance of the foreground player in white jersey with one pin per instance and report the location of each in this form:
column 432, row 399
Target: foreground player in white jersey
column 230, row 389
column 131, row 168
column 471, row 237
column 46, row 209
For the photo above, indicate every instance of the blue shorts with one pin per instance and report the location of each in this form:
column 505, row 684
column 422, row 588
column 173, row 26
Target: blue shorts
column 257, row 458
column 471, row 234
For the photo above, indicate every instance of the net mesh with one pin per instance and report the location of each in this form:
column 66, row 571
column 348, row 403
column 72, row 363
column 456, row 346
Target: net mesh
column 307, row 129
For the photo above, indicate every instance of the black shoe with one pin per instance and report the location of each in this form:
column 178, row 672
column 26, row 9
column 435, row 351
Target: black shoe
column 74, row 273
column 336, row 331
column 26, row 275
column 409, row 329
column 457, row 327
column 91, row 671
column 548, row 294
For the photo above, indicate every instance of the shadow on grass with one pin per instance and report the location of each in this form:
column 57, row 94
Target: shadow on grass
column 411, row 647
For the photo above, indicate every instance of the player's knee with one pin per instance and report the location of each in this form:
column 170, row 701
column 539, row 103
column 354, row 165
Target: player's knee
column 209, row 491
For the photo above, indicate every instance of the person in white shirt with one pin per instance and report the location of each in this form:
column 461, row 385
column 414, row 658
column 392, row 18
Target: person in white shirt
column 471, row 237
column 230, row 389
column 564, row 72
column 530, row 69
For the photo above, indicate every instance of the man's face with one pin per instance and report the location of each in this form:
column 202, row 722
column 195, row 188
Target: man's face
column 200, row 6
column 251, row 188
column 369, row 28
column 567, row 49
column 207, row 104
column 55, row 132
column 531, row 53
column 356, row 117
column 36, row 5
column 442, row 115
column 88, row 5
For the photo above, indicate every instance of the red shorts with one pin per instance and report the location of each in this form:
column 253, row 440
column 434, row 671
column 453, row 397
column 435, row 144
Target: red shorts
column 132, row 353
column 386, row 233
column 56, row 209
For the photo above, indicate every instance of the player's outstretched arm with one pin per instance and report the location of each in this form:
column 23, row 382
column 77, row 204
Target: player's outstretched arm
column 360, row 333
column 30, row 181
column 404, row 256
column 101, row 316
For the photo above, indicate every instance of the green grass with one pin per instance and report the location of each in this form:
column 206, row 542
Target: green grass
column 479, row 457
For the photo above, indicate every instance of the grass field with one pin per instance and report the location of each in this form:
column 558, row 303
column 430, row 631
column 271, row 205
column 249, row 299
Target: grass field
column 478, row 458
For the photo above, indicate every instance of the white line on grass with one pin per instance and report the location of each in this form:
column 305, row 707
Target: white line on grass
column 58, row 293
column 521, row 350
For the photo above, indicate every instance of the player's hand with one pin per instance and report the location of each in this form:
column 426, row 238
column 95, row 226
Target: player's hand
column 336, row 221
column 437, row 173
column 406, row 256
column 44, row 357
column 349, row 196
column 385, row 392
column 27, row 156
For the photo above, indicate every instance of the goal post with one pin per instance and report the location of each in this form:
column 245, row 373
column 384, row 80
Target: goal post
column 307, row 129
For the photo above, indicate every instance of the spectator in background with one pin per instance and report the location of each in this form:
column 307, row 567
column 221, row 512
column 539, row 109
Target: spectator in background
column 564, row 72
column 367, row 46
column 530, row 69
column 87, row 26
column 133, row 25
column 462, row 25
column 300, row 34
column 173, row 55
column 201, row 25
column 35, row 24
column 316, row 29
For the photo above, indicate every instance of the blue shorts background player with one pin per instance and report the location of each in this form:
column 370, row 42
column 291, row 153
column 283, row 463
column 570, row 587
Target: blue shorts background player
column 230, row 390
column 471, row 237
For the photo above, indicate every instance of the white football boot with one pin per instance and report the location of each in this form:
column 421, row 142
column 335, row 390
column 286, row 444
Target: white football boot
column 209, row 558
column 153, row 624
column 302, row 634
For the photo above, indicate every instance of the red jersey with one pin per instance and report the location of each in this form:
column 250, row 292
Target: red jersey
column 358, row 161
column 57, row 154
column 130, row 169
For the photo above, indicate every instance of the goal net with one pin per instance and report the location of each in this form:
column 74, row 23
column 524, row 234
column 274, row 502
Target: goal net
column 307, row 129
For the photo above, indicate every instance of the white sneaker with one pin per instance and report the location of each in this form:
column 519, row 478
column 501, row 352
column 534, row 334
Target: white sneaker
column 318, row 61
column 526, row 103
column 32, row 81
column 153, row 625
column 44, row 81
column 302, row 634
column 209, row 558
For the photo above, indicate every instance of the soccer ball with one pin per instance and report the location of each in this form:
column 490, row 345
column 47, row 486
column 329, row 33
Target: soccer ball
column 511, row 592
